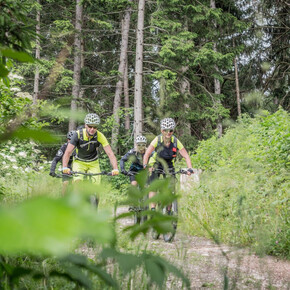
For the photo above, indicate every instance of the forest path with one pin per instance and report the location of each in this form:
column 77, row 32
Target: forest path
column 205, row 263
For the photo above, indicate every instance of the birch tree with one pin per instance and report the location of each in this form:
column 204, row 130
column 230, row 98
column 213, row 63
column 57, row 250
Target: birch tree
column 138, row 125
column 126, row 98
column 77, row 62
column 217, row 84
column 122, row 66
column 37, row 55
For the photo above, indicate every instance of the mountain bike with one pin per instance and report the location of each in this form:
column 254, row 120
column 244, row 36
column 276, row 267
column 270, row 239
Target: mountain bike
column 88, row 177
column 138, row 217
column 171, row 209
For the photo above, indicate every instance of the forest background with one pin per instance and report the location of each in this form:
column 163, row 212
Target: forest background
column 216, row 67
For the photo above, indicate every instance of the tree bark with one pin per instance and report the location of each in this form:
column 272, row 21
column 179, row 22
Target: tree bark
column 237, row 87
column 126, row 99
column 138, row 124
column 185, row 89
column 217, row 85
column 37, row 56
column 77, row 63
column 121, row 70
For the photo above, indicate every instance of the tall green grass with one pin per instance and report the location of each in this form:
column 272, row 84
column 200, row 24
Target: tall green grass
column 243, row 196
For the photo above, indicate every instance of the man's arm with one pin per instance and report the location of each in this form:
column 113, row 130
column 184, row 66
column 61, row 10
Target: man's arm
column 147, row 154
column 185, row 155
column 111, row 156
column 54, row 162
column 123, row 160
column 69, row 149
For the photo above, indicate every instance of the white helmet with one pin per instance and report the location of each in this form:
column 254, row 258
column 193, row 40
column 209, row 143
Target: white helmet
column 167, row 123
column 141, row 139
column 92, row 119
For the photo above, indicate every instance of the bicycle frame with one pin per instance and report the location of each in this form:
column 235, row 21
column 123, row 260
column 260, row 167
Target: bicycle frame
column 138, row 217
column 171, row 209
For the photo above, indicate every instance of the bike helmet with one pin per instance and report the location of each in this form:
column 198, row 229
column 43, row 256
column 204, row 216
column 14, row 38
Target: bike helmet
column 167, row 123
column 141, row 139
column 92, row 119
column 69, row 135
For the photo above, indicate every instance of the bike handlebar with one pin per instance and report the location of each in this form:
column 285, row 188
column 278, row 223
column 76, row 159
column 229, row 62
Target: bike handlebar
column 172, row 172
column 92, row 174
column 75, row 173
column 130, row 173
column 161, row 171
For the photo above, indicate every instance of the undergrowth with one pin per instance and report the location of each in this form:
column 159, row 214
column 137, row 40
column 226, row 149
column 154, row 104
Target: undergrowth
column 243, row 196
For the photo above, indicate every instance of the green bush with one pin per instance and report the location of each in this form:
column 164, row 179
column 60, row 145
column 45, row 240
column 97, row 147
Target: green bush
column 243, row 197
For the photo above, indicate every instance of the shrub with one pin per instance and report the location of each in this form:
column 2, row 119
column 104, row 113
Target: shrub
column 243, row 196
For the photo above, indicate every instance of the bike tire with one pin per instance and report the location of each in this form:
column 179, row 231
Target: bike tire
column 155, row 235
column 168, row 237
column 94, row 201
column 137, row 218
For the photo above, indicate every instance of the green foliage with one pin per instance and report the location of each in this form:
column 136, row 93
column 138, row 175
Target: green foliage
column 16, row 34
column 16, row 28
column 244, row 193
column 27, row 228
column 19, row 157
column 265, row 139
column 137, row 196
column 31, row 235
column 156, row 267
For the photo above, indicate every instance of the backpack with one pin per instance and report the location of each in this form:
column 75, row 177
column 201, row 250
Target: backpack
column 174, row 149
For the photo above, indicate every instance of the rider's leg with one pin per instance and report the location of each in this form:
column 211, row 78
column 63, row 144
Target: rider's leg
column 64, row 187
column 172, row 186
column 65, row 183
column 133, row 180
column 152, row 194
column 153, row 177
column 94, row 167
column 134, row 183
column 80, row 167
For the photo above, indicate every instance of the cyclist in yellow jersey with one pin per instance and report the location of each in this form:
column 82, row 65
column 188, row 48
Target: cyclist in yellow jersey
column 87, row 141
column 166, row 147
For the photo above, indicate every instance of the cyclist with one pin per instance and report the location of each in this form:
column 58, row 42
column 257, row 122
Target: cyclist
column 166, row 147
column 135, row 156
column 86, row 141
column 58, row 157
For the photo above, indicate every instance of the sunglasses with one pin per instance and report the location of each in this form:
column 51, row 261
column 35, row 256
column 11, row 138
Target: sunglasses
column 141, row 145
column 168, row 131
column 90, row 127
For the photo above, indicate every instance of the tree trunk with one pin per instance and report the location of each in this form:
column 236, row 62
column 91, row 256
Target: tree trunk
column 217, row 85
column 138, row 126
column 77, row 63
column 126, row 98
column 37, row 56
column 237, row 87
column 217, row 91
column 185, row 89
column 121, row 70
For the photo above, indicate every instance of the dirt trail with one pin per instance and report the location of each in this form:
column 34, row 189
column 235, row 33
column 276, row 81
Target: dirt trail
column 205, row 264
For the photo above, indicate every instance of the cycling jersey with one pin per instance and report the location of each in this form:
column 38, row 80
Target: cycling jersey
column 165, row 154
column 136, row 159
column 87, row 147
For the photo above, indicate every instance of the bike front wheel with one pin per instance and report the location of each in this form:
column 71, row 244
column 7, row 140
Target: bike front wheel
column 168, row 237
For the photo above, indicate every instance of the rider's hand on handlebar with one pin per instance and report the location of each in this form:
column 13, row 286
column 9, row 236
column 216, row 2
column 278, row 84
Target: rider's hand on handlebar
column 115, row 172
column 190, row 171
column 66, row 170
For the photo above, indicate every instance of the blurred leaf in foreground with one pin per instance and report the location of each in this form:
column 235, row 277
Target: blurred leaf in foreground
column 51, row 226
